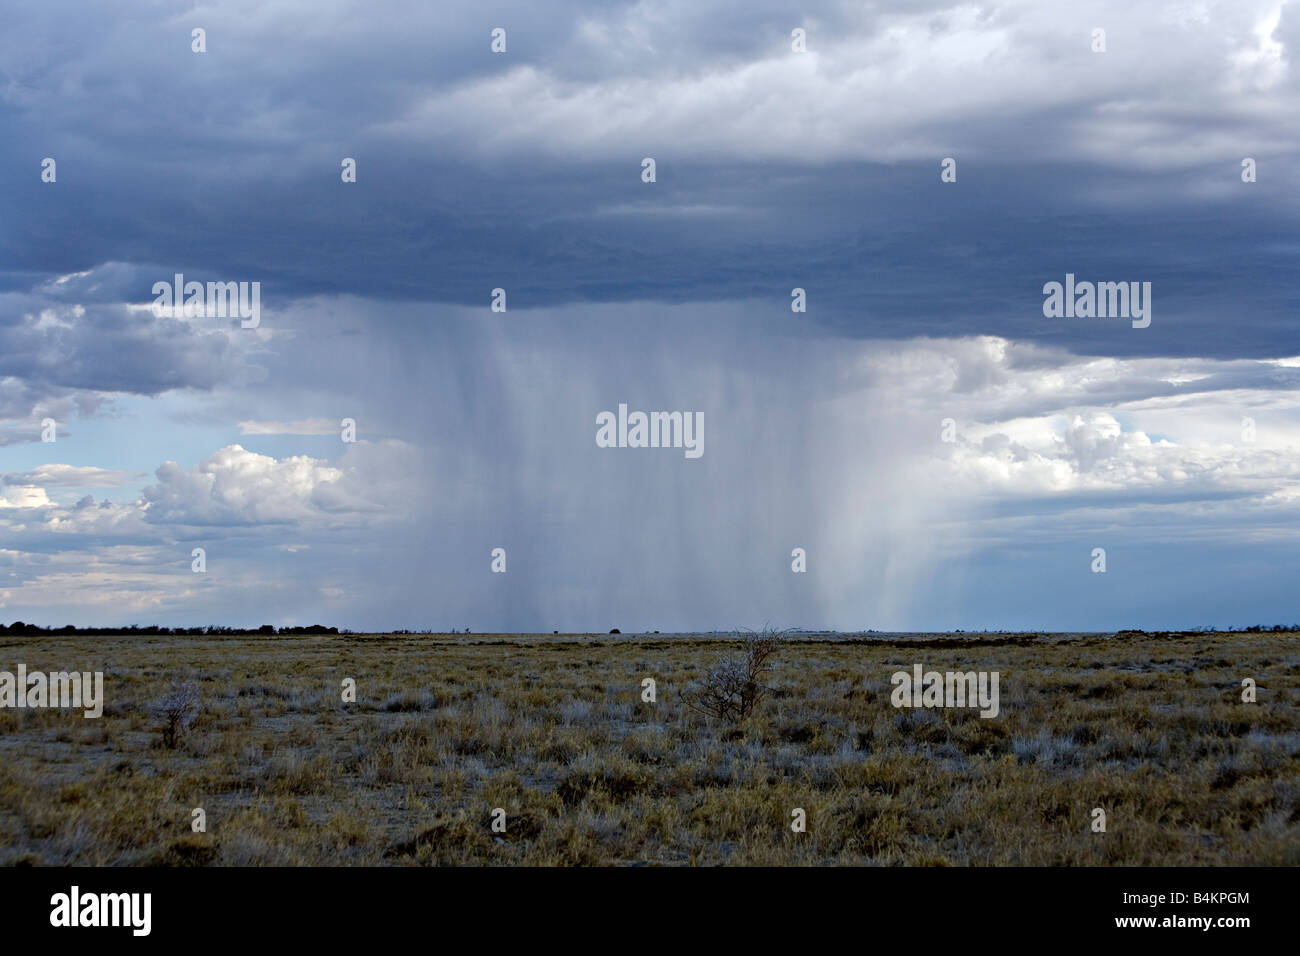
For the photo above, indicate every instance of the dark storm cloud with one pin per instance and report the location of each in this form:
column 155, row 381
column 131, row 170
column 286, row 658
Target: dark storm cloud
column 225, row 165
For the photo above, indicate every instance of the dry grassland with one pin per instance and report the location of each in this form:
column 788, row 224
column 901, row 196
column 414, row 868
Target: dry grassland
column 553, row 730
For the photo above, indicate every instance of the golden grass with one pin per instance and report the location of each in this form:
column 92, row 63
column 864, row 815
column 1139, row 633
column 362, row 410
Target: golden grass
column 553, row 730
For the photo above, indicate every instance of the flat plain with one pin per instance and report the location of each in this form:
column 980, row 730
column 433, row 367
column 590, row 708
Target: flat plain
column 553, row 730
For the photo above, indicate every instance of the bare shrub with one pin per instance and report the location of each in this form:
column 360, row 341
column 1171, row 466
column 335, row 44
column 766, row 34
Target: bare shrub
column 734, row 687
column 176, row 711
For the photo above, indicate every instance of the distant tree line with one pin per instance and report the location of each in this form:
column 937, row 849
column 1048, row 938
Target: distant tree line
column 18, row 628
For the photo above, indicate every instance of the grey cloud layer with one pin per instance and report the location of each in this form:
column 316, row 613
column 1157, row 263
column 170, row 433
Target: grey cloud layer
column 776, row 169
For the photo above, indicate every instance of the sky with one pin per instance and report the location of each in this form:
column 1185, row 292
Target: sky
column 946, row 455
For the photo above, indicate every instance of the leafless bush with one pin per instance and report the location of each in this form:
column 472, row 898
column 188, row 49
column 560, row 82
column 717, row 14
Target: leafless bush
column 734, row 687
column 175, row 711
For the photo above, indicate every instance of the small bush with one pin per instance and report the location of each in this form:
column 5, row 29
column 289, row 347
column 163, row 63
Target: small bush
column 734, row 687
column 176, row 711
